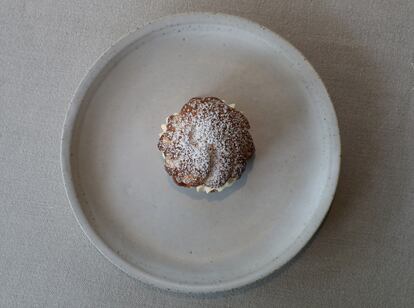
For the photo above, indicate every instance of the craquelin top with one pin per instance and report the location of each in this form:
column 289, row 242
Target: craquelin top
column 206, row 143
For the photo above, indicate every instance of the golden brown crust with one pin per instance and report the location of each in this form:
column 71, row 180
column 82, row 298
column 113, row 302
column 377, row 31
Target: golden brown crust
column 207, row 143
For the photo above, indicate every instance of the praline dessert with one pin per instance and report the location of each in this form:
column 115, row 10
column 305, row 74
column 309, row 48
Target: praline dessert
column 206, row 145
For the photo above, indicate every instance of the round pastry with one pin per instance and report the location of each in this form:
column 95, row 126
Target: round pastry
column 206, row 145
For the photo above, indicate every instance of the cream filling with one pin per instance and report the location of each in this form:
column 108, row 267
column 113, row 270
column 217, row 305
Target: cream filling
column 202, row 188
column 208, row 189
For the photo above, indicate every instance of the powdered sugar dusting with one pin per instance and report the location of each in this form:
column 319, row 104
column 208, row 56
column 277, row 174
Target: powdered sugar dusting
column 207, row 143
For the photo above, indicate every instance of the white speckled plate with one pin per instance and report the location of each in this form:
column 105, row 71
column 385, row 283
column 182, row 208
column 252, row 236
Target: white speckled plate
column 176, row 238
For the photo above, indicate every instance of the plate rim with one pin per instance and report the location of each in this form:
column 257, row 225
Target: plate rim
column 66, row 156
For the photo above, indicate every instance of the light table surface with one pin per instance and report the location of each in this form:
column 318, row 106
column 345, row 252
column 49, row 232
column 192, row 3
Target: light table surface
column 363, row 255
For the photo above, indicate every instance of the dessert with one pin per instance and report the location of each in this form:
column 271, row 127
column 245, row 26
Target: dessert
column 206, row 145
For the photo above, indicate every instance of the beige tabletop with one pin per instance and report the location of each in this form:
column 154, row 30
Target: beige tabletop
column 363, row 255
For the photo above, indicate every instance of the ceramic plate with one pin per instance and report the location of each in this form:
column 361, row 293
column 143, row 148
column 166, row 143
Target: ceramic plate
column 176, row 238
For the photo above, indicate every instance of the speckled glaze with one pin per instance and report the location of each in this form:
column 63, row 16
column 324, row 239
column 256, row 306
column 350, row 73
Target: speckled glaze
column 178, row 239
